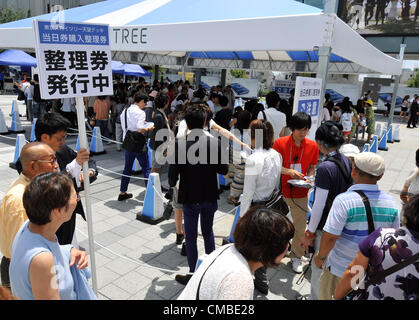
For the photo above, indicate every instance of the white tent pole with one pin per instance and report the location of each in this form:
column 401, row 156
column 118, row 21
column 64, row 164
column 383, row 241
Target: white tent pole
column 324, row 57
column 395, row 88
column 88, row 206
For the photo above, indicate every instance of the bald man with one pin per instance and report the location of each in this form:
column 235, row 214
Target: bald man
column 36, row 158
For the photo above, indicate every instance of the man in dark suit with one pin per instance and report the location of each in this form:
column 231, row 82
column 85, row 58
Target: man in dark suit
column 51, row 128
column 197, row 160
column 414, row 112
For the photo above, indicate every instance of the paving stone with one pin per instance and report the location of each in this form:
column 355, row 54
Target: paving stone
column 166, row 287
column 107, row 238
column 170, row 258
column 105, row 276
column 132, row 282
column 124, row 230
column 117, row 220
column 145, row 294
column 121, row 266
column 132, row 241
column 114, row 292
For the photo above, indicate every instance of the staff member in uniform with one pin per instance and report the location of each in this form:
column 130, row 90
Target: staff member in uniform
column 299, row 159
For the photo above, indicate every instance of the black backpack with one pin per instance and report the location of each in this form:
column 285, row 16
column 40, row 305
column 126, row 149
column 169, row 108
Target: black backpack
column 329, row 201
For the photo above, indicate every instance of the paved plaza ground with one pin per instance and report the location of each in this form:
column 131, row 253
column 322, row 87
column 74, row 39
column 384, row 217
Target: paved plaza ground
column 138, row 261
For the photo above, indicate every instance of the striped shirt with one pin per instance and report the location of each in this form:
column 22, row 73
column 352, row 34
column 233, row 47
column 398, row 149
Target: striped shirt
column 348, row 220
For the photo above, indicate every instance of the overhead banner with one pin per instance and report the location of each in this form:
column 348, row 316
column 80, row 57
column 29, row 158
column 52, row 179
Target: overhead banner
column 307, row 99
column 74, row 59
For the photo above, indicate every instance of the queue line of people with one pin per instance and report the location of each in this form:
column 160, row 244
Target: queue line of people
column 272, row 159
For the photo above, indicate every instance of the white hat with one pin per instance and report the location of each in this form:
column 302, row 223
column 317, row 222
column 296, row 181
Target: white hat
column 349, row 150
column 370, row 163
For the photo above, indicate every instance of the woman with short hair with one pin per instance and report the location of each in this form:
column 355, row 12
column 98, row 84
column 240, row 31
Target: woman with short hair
column 40, row 266
column 261, row 238
column 262, row 175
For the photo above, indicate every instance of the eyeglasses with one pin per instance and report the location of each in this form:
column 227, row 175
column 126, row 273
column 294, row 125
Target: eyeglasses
column 53, row 160
column 60, row 139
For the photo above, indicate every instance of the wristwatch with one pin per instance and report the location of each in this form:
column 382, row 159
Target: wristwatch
column 321, row 258
column 309, row 234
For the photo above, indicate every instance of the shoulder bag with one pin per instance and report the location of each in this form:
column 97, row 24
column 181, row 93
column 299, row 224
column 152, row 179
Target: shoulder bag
column 200, row 281
column 380, row 276
column 275, row 202
column 134, row 141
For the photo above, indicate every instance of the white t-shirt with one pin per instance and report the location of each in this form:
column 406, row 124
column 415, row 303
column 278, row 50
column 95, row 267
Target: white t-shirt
column 69, row 105
column 346, row 121
column 326, row 114
column 276, row 118
column 135, row 119
column 228, row 278
column 262, row 174
column 413, row 182
column 183, row 128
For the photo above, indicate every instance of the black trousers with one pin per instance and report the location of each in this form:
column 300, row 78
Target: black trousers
column 413, row 119
column 66, row 231
column 5, row 279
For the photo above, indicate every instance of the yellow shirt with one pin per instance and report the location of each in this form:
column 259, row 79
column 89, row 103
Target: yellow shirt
column 12, row 214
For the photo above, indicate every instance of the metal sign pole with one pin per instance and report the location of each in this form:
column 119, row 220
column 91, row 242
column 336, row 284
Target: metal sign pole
column 395, row 89
column 88, row 205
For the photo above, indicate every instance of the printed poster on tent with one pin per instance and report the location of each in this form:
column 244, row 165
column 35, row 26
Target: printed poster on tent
column 307, row 99
column 74, row 59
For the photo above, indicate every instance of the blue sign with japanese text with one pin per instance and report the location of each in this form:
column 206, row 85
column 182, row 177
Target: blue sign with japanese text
column 74, row 59
column 73, row 33
column 310, row 107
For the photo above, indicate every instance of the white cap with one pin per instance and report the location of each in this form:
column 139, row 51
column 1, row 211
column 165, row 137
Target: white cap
column 349, row 150
column 370, row 163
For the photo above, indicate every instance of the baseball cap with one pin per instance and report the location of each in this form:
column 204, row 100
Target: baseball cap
column 369, row 101
column 349, row 150
column 370, row 163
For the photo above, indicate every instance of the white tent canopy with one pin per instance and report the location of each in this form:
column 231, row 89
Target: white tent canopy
column 269, row 30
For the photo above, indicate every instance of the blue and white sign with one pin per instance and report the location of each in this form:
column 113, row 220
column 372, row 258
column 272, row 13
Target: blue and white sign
column 307, row 99
column 283, row 88
column 74, row 59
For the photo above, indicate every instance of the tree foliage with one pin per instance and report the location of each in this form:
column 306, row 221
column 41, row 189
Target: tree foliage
column 237, row 73
column 414, row 83
column 10, row 14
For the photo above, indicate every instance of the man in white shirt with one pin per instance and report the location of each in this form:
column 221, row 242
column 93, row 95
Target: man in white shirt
column 134, row 119
column 213, row 101
column 190, row 91
column 68, row 110
column 275, row 117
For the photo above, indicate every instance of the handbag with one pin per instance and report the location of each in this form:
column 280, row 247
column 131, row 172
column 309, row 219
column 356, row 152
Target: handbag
column 380, row 276
column 134, row 141
column 275, row 202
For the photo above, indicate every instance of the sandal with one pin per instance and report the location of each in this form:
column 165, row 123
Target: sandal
column 232, row 200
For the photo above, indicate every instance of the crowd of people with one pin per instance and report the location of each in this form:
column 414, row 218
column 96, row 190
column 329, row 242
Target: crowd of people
column 194, row 136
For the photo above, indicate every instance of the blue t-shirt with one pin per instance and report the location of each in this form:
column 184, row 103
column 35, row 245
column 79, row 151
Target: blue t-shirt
column 25, row 247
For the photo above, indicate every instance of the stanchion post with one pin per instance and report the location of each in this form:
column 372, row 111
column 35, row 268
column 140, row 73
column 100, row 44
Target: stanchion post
column 84, row 144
